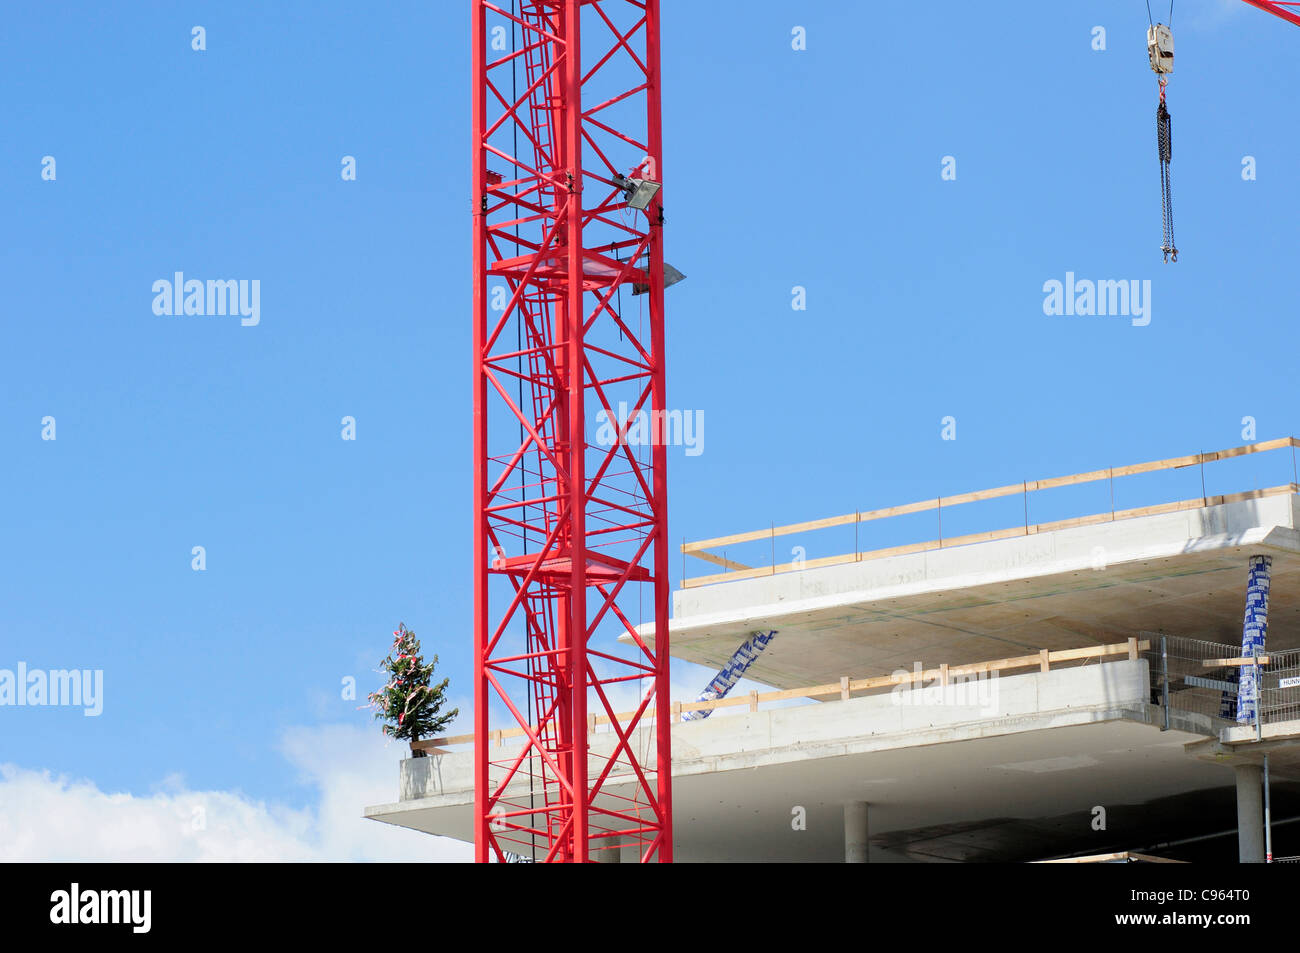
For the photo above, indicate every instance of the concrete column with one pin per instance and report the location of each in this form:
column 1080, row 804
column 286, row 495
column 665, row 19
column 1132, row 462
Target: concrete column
column 856, row 841
column 1250, row 814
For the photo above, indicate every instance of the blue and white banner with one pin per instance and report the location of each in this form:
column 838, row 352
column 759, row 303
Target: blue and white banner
column 1253, row 634
column 732, row 672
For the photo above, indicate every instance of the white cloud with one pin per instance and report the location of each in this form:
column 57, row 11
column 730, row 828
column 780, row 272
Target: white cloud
column 44, row 817
column 49, row 818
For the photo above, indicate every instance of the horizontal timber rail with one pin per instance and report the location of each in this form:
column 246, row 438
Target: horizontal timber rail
column 845, row 688
column 735, row 570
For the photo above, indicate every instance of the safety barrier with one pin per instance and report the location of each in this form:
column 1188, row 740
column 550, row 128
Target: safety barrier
column 1204, row 678
column 848, row 687
column 715, row 550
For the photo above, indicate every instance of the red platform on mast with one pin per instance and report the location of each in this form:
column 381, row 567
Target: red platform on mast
column 597, row 273
column 600, row 570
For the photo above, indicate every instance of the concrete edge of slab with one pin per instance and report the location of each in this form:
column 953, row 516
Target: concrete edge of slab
column 787, row 736
column 1278, row 538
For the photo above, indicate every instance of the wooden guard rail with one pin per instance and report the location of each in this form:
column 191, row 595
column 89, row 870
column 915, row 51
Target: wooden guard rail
column 736, row 570
column 843, row 689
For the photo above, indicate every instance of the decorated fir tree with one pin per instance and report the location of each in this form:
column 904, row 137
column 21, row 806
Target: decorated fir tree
column 410, row 704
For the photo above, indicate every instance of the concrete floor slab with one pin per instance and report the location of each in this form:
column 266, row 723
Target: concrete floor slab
column 1178, row 573
column 1051, row 743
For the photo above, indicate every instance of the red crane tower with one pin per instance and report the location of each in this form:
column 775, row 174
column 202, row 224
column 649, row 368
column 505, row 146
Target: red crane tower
column 570, row 537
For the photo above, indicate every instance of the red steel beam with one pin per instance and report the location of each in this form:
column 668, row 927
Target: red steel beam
column 1278, row 9
column 478, row 109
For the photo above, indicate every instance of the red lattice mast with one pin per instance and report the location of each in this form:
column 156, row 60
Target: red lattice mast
column 570, row 535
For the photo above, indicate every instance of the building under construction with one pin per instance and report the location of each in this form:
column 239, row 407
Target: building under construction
column 1041, row 691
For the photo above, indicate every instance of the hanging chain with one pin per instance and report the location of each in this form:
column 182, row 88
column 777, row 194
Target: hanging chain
column 1165, row 142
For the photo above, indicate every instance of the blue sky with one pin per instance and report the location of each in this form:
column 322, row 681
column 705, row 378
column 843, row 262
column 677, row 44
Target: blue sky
column 817, row 168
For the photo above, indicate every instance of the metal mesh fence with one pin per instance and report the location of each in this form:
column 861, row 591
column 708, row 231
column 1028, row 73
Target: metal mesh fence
column 1280, row 692
column 1189, row 676
column 1181, row 681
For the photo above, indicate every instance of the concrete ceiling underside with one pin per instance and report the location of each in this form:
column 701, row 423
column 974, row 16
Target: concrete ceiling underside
column 1197, row 827
column 926, row 801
